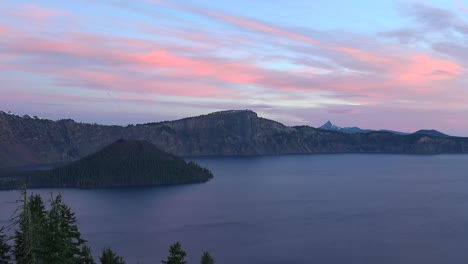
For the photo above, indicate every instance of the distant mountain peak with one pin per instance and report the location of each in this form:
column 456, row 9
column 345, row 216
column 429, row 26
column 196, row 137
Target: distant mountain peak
column 352, row 130
column 330, row 126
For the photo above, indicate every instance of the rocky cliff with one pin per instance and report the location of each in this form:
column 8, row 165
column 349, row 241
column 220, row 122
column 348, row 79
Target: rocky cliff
column 28, row 141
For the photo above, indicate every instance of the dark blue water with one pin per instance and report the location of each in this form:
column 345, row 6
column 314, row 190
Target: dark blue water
column 289, row 209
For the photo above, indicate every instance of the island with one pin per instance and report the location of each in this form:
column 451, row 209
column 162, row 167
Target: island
column 124, row 163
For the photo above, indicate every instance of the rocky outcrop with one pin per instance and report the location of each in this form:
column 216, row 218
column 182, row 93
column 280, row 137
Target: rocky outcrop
column 28, row 141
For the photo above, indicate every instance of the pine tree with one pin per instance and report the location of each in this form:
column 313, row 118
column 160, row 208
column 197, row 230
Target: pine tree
column 4, row 248
column 22, row 246
column 46, row 237
column 29, row 236
column 38, row 226
column 176, row 255
column 206, row 258
column 85, row 256
column 64, row 243
column 109, row 257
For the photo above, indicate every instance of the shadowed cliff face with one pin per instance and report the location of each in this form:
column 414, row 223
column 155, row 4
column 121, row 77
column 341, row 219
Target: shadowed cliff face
column 28, row 141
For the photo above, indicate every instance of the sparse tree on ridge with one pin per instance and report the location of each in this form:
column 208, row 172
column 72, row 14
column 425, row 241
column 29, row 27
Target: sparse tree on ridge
column 206, row 258
column 176, row 255
column 109, row 257
column 85, row 256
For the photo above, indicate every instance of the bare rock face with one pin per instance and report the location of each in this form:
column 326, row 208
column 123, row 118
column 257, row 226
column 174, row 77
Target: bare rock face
column 31, row 141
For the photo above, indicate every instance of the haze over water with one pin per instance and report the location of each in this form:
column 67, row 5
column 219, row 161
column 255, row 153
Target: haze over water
column 288, row 209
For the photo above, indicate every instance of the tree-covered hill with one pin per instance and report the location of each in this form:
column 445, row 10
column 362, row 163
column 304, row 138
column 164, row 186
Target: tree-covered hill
column 121, row 164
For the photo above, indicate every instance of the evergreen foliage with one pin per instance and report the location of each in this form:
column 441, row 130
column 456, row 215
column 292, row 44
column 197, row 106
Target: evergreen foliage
column 52, row 237
column 63, row 239
column 85, row 256
column 206, row 258
column 30, row 236
column 176, row 255
column 4, row 248
column 109, row 257
column 123, row 163
column 48, row 237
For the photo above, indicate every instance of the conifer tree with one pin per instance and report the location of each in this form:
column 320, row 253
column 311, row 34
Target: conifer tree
column 38, row 226
column 22, row 247
column 29, row 236
column 206, row 258
column 85, row 256
column 64, row 243
column 4, row 248
column 109, row 257
column 176, row 255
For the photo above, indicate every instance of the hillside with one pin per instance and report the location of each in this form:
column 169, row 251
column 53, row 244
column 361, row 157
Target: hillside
column 29, row 141
column 123, row 163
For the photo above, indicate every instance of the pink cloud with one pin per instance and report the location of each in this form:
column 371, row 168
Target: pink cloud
column 281, row 33
column 362, row 55
column 36, row 12
column 255, row 25
column 207, row 73
column 401, row 70
column 4, row 31
column 111, row 63
column 95, row 48
column 222, row 70
column 137, row 83
column 423, row 68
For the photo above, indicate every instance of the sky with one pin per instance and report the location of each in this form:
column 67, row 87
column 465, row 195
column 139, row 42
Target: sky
column 400, row 65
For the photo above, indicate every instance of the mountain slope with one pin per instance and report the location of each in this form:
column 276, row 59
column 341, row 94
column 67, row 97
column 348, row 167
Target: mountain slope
column 29, row 141
column 123, row 163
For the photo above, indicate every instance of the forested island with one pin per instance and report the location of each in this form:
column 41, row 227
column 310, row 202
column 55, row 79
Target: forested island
column 124, row 163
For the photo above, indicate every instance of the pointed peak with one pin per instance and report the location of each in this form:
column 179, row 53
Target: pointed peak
column 328, row 125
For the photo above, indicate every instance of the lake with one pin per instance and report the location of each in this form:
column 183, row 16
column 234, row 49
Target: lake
column 340, row 208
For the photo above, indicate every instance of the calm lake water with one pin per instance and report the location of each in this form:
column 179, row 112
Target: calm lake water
column 349, row 208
